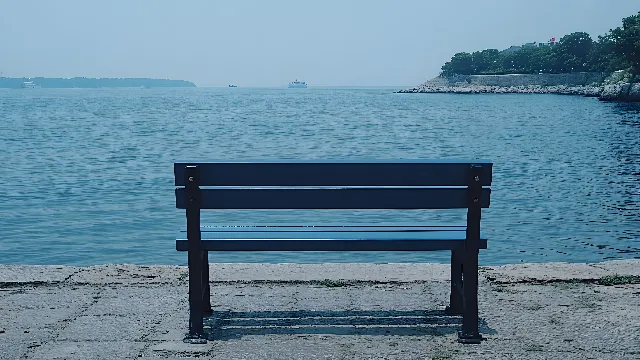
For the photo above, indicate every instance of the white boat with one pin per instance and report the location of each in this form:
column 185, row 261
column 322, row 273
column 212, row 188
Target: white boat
column 29, row 85
column 233, row 86
column 297, row 85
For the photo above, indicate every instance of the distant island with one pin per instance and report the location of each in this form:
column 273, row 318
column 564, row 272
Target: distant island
column 608, row 68
column 84, row 82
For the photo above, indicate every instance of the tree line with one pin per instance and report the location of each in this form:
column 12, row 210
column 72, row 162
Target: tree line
column 616, row 50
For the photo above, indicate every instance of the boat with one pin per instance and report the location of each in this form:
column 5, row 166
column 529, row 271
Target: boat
column 232, row 85
column 297, row 85
column 29, row 85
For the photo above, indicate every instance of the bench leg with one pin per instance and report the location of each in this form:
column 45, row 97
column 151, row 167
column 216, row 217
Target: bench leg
column 455, row 298
column 206, row 301
column 196, row 327
column 470, row 333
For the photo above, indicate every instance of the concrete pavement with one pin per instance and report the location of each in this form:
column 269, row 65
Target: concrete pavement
column 289, row 311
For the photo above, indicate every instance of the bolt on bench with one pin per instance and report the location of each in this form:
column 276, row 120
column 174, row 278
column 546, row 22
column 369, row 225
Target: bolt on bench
column 402, row 184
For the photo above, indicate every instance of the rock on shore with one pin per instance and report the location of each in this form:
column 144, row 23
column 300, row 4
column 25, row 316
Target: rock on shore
column 585, row 90
column 621, row 92
column 530, row 84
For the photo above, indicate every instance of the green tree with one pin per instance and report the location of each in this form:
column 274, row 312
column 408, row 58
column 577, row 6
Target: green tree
column 577, row 44
column 485, row 61
column 619, row 49
column 572, row 52
column 509, row 62
column 549, row 61
column 528, row 60
column 603, row 56
column 627, row 41
column 461, row 63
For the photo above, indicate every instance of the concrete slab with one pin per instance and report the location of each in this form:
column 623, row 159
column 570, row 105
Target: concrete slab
column 317, row 272
column 173, row 326
column 179, row 348
column 120, row 311
column 129, row 274
column 114, row 327
column 16, row 274
column 123, row 274
column 130, row 300
column 16, row 342
column 88, row 350
column 620, row 267
column 545, row 272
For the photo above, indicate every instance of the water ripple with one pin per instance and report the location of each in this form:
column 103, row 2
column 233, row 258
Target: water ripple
column 88, row 173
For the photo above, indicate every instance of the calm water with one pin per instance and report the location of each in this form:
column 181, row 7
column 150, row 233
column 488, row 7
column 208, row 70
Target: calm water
column 88, row 175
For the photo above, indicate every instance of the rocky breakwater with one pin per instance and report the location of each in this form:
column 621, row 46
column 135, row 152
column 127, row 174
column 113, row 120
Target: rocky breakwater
column 584, row 90
column 614, row 87
column 621, row 92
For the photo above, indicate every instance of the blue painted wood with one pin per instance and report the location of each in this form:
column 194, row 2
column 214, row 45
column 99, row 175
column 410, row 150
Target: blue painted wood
column 331, row 198
column 332, row 240
column 332, row 235
column 328, row 228
column 193, row 245
column 470, row 331
column 336, row 185
column 335, row 173
column 294, row 244
column 338, row 161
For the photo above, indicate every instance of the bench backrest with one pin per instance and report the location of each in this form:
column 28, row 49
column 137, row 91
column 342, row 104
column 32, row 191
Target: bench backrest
column 402, row 184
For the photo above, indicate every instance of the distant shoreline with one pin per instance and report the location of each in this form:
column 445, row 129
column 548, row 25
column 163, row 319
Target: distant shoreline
column 84, row 82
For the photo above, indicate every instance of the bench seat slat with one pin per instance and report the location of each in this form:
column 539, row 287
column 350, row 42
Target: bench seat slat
column 332, row 241
column 327, row 228
column 331, row 235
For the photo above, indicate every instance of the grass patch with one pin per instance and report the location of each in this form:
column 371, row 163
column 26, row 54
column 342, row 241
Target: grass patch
column 333, row 283
column 611, row 280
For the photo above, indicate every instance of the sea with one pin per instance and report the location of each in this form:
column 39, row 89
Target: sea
column 88, row 173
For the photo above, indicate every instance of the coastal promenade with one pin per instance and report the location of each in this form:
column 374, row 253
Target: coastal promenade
column 320, row 311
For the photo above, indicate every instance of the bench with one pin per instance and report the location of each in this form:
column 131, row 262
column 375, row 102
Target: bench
column 403, row 184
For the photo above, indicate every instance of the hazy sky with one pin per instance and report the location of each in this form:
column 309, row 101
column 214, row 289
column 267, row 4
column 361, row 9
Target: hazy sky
column 271, row 42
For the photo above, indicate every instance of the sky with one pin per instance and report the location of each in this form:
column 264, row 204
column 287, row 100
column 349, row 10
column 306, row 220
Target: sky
column 272, row 42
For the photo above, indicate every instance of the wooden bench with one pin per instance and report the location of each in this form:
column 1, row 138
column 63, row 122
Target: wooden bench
column 404, row 184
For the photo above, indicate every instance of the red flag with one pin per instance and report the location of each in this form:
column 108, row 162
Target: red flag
column 553, row 39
